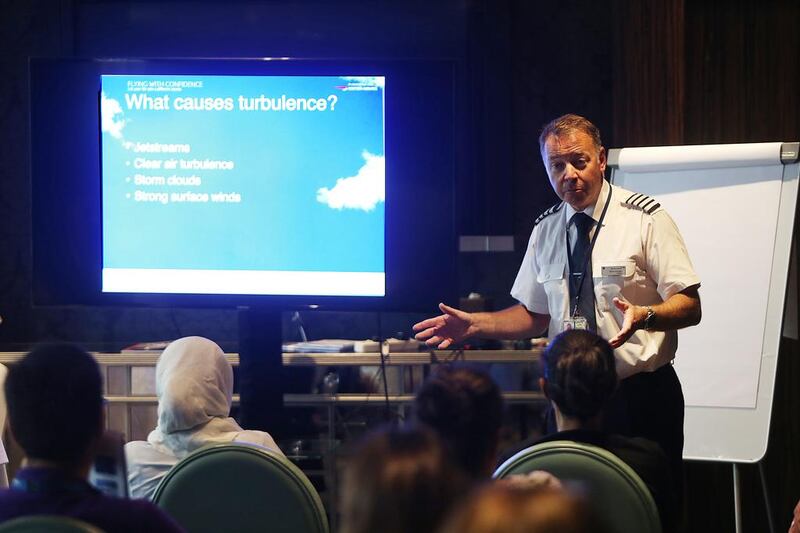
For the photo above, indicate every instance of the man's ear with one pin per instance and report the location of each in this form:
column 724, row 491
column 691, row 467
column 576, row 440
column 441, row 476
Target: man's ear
column 543, row 387
column 602, row 160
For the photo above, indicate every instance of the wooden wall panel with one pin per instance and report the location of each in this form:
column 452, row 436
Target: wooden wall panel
column 648, row 72
column 742, row 71
column 728, row 72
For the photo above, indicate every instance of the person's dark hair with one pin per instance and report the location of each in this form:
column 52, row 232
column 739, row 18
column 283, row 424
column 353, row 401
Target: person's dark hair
column 465, row 407
column 580, row 373
column 398, row 480
column 55, row 402
column 503, row 507
column 566, row 124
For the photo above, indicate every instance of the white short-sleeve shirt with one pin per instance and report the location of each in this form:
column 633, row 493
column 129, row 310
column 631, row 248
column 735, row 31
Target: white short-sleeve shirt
column 148, row 465
column 639, row 255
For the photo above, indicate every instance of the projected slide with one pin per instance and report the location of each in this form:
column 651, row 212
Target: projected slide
column 243, row 184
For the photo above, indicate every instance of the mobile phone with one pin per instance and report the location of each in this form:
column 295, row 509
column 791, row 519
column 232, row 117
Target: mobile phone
column 109, row 474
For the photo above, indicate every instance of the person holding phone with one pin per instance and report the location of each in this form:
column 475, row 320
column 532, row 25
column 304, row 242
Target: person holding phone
column 55, row 412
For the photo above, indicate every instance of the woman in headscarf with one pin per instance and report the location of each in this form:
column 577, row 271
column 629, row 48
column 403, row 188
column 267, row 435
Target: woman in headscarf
column 194, row 384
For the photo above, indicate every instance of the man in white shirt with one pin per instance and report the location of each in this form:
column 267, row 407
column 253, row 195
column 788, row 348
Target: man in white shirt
column 626, row 275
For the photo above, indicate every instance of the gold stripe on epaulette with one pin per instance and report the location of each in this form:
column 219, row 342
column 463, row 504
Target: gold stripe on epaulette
column 643, row 202
column 549, row 211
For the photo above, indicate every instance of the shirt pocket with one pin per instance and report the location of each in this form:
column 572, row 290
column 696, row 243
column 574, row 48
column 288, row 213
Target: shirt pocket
column 551, row 277
column 610, row 278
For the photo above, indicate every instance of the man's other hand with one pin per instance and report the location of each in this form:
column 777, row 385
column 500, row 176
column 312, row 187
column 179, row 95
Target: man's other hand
column 452, row 326
column 795, row 525
column 631, row 320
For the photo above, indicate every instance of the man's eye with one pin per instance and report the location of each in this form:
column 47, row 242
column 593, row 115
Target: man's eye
column 557, row 165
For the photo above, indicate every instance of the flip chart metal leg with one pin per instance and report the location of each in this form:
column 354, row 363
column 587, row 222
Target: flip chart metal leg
column 737, row 499
column 767, row 504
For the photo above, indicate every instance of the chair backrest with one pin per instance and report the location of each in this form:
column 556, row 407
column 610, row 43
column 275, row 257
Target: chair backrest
column 49, row 523
column 3, row 416
column 617, row 493
column 235, row 487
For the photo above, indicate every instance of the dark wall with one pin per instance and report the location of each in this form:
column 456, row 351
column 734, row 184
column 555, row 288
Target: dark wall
column 561, row 64
column 710, row 71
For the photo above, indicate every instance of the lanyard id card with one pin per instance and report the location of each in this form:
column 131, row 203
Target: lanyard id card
column 576, row 322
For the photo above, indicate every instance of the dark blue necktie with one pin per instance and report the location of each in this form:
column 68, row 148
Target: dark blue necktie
column 579, row 261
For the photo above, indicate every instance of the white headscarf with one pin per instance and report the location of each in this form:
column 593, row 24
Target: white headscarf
column 194, row 384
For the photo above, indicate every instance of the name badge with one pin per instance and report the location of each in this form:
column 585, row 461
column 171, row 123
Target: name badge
column 576, row 322
column 613, row 270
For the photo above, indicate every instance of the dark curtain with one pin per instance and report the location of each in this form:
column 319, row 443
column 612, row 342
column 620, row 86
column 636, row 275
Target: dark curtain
column 649, row 66
column 714, row 71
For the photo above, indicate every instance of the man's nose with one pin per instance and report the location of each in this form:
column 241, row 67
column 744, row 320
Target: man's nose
column 570, row 172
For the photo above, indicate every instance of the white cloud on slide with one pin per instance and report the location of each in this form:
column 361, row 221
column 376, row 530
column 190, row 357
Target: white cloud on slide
column 362, row 191
column 109, row 123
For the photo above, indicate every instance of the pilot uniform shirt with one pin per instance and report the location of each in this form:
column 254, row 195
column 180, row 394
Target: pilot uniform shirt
column 639, row 255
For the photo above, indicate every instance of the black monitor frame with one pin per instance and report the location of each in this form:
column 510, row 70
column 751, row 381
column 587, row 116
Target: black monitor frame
column 421, row 240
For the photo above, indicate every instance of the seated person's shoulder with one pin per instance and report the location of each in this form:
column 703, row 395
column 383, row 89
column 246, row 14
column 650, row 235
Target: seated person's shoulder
column 636, row 445
column 646, row 457
column 137, row 515
column 261, row 439
column 146, row 467
column 139, row 451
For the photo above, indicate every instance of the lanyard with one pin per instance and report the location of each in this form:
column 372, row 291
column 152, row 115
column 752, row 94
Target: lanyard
column 588, row 254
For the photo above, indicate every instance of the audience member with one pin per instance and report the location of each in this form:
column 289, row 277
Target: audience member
column 55, row 411
column 398, row 481
column 503, row 507
column 579, row 379
column 465, row 407
column 194, row 384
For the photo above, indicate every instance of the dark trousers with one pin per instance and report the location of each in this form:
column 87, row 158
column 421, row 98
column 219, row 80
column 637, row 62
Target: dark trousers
column 650, row 405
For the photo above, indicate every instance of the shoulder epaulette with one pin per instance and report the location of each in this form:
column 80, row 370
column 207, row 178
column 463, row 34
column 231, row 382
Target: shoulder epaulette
column 547, row 213
column 643, row 202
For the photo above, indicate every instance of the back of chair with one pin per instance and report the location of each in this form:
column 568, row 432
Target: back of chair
column 615, row 491
column 233, row 487
column 49, row 523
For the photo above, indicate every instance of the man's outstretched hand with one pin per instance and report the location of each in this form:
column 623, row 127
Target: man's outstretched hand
column 630, row 321
column 450, row 327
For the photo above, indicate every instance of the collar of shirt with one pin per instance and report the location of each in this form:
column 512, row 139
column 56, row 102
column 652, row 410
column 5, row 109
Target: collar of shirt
column 43, row 480
column 593, row 211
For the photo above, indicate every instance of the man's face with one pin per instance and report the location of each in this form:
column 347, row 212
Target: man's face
column 575, row 167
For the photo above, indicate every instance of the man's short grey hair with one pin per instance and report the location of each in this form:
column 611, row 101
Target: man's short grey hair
column 569, row 123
